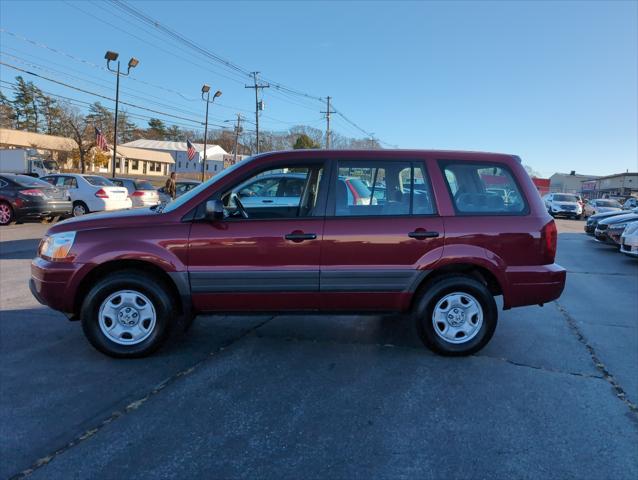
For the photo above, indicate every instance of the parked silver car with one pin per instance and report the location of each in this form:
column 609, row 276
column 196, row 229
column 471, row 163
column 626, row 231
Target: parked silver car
column 141, row 192
column 600, row 205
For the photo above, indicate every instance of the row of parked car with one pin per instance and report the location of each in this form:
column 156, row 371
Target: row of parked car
column 573, row 206
column 618, row 228
column 70, row 194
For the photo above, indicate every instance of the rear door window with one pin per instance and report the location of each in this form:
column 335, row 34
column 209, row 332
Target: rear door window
column 483, row 189
column 386, row 188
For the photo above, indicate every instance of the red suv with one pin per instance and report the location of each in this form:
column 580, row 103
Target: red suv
column 445, row 234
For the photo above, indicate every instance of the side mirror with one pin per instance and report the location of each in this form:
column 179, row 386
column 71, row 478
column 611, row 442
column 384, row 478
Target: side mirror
column 214, row 210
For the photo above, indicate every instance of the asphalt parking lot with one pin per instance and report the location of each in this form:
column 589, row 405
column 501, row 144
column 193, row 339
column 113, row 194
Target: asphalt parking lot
column 553, row 395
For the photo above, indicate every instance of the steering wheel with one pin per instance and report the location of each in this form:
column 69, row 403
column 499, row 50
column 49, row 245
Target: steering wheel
column 240, row 207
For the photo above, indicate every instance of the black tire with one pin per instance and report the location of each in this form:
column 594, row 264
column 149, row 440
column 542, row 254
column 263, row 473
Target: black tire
column 430, row 296
column 160, row 298
column 80, row 205
column 12, row 218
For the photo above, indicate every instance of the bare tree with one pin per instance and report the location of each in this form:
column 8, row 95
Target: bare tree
column 76, row 126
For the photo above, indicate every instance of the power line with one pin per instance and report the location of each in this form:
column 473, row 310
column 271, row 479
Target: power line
column 100, row 95
column 279, row 90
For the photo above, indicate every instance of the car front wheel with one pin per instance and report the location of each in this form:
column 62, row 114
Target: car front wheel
column 127, row 314
column 456, row 315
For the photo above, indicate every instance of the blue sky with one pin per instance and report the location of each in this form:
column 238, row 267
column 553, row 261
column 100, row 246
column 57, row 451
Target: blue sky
column 554, row 82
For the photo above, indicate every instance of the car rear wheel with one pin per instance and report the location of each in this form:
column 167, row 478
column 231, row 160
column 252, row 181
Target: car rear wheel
column 79, row 209
column 127, row 314
column 6, row 214
column 456, row 315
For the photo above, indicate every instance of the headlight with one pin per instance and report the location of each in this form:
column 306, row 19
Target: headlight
column 57, row 246
column 618, row 226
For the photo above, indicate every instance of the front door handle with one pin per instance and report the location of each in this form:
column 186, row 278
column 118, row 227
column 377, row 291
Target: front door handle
column 266, row 201
column 300, row 236
column 421, row 234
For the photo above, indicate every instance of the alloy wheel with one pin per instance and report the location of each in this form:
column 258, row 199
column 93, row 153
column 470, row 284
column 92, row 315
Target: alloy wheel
column 5, row 214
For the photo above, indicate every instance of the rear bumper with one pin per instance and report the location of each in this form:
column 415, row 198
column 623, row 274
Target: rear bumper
column 117, row 204
column 52, row 209
column 533, row 285
column 50, row 282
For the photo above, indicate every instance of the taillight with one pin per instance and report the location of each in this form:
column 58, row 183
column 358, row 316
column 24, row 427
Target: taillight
column 33, row 192
column 101, row 193
column 137, row 193
column 549, row 241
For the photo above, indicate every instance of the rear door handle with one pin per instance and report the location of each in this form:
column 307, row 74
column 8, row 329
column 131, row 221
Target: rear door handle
column 300, row 237
column 266, row 201
column 421, row 234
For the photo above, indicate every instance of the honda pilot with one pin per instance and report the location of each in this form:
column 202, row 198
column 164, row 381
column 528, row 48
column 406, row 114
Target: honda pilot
column 437, row 235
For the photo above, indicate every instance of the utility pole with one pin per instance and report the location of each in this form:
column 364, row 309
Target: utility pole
column 328, row 112
column 258, row 107
column 237, row 132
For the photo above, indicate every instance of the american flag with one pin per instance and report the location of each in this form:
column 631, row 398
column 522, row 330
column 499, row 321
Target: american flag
column 100, row 140
column 191, row 149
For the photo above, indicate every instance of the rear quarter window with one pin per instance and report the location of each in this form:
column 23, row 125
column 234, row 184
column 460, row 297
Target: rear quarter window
column 483, row 189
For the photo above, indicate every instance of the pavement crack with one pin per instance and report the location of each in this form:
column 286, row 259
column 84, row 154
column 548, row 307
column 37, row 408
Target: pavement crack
column 618, row 390
column 134, row 405
column 541, row 368
column 611, row 274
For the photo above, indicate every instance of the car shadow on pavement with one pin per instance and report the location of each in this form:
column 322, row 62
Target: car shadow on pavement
column 19, row 249
column 381, row 330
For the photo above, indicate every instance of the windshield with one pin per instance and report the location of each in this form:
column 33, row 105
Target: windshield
column 181, row 200
column 565, row 198
column 50, row 164
column 609, row 203
column 98, row 181
column 144, row 185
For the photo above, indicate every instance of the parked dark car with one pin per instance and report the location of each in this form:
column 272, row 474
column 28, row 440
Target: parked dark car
column 609, row 230
column 27, row 198
column 592, row 222
column 181, row 187
column 442, row 257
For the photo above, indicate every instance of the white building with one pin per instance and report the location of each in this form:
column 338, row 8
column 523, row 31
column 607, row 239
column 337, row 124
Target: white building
column 178, row 150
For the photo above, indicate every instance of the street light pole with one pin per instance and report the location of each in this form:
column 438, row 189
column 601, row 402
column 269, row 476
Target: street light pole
column 117, row 102
column 218, row 93
column 132, row 63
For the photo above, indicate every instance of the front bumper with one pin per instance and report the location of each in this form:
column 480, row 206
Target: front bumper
column 533, row 285
column 590, row 229
column 629, row 245
column 51, row 282
column 613, row 235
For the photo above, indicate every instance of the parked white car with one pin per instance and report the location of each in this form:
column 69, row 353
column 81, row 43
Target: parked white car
column 564, row 204
column 629, row 240
column 601, row 205
column 91, row 193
